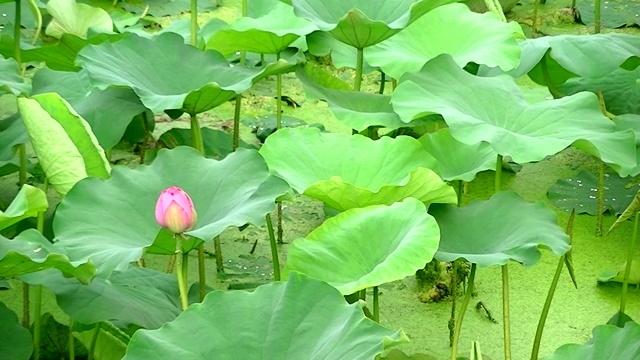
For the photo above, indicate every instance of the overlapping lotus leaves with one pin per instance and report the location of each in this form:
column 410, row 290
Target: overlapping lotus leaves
column 479, row 38
column 10, row 80
column 184, row 78
column 63, row 141
column 609, row 342
column 391, row 243
column 139, row 296
column 350, row 171
column 27, row 203
column 620, row 89
column 73, row 18
column 16, row 342
column 112, row 221
column 299, row 318
column 456, row 160
column 31, row 252
column 107, row 111
column 267, row 34
column 567, row 56
column 492, row 232
column 356, row 109
column 494, row 110
column 362, row 23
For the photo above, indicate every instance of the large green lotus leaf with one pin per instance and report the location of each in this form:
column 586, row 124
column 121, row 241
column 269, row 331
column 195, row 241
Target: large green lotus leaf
column 422, row 184
column 362, row 23
column 620, row 89
column 493, row 109
column 581, row 193
column 8, row 10
column 267, row 34
column 356, row 109
column 365, row 247
column 567, row 56
column 168, row 74
column 16, row 341
column 301, row 318
column 107, row 111
column 139, row 296
column 12, row 133
column 31, row 252
column 347, row 170
column 479, row 38
column 497, row 230
column 631, row 121
column 28, row 203
column 10, row 80
column 112, row 221
column 456, row 160
column 70, row 17
column 63, row 141
column 160, row 8
column 609, row 342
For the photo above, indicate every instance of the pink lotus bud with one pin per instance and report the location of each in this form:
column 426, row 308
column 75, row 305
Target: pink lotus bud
column 175, row 211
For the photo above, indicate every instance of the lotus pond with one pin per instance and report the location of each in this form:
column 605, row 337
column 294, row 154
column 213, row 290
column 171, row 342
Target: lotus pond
column 319, row 179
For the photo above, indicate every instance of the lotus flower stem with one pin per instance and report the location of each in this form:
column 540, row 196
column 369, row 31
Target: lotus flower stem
column 463, row 308
column 182, row 286
column 35, row 11
column 596, row 17
column 245, row 11
column 454, row 296
column 274, row 249
column 600, row 215
column 218, row 251
column 94, row 341
column 197, row 142
column 376, row 305
column 505, row 312
column 627, row 269
column 359, row 65
column 194, row 23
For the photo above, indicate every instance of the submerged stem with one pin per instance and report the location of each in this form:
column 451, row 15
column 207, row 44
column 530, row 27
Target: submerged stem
column 454, row 296
column 383, row 80
column 274, row 249
column 505, row 312
column 463, row 308
column 596, row 17
column 627, row 269
column 202, row 284
column 182, row 286
column 72, row 346
column 37, row 317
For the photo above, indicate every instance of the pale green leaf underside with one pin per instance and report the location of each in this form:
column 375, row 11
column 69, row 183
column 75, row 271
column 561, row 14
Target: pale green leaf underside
column 301, row 318
column 70, row 17
column 66, row 148
column 493, row 110
column 366, row 247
